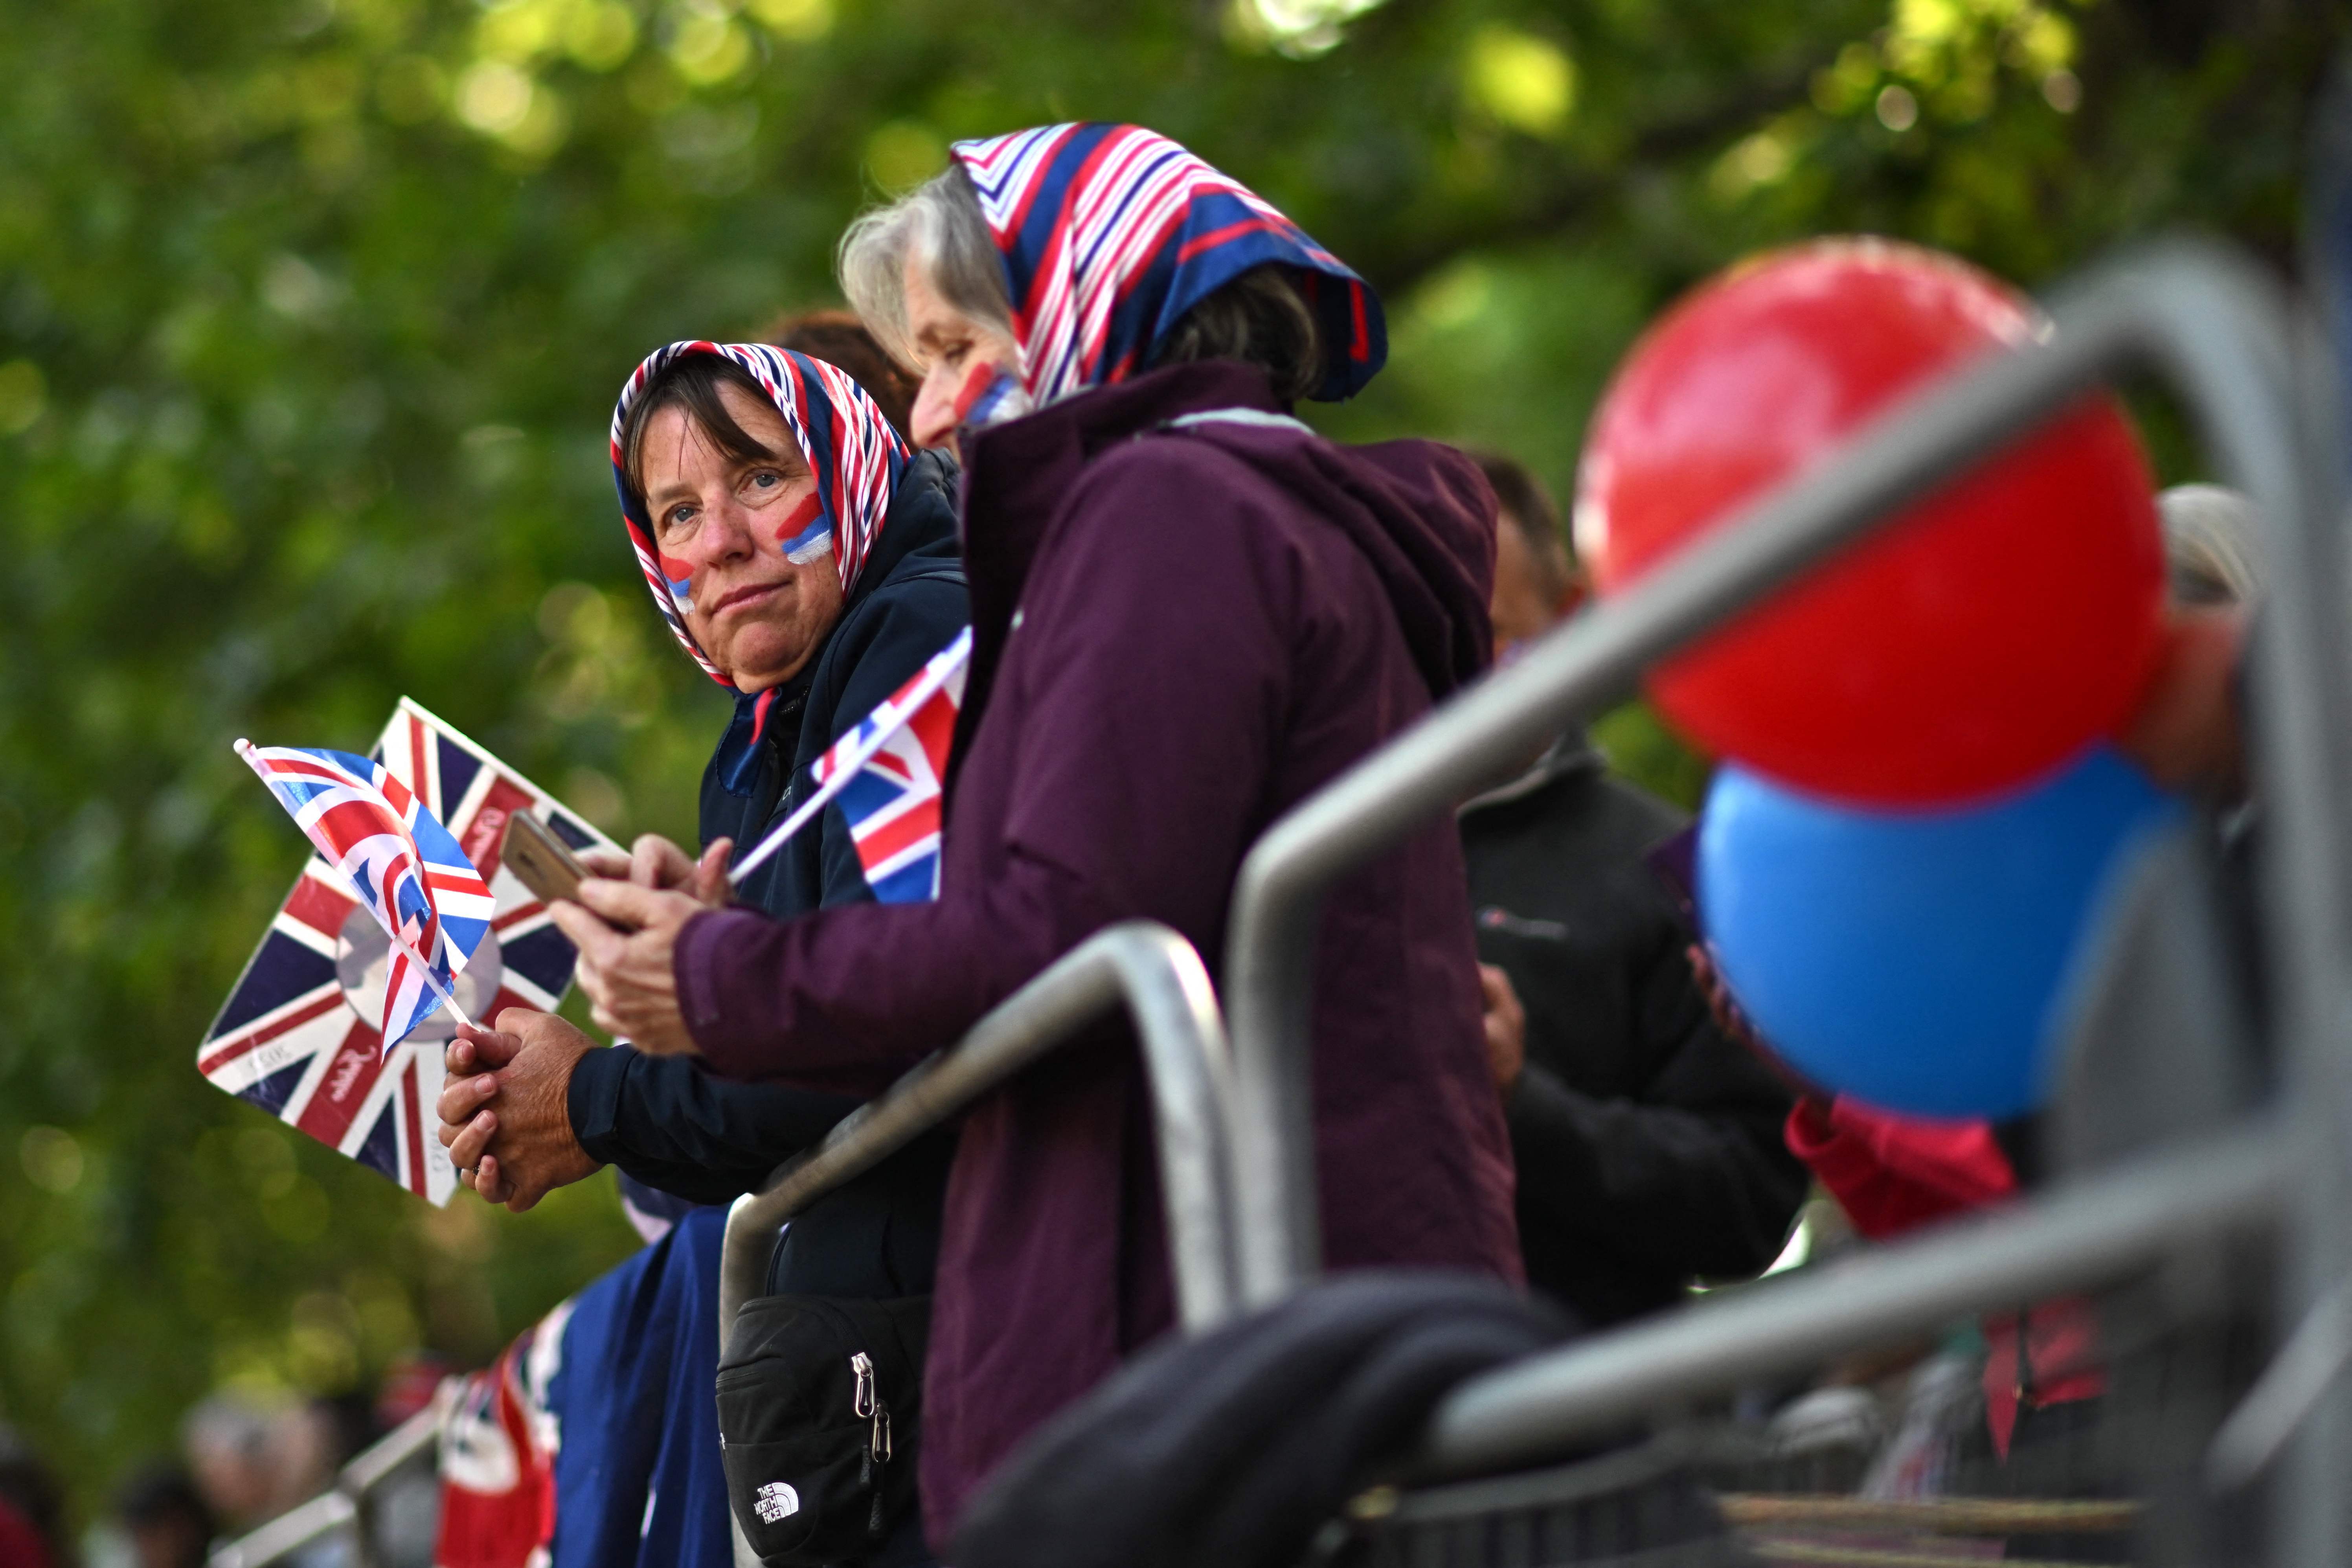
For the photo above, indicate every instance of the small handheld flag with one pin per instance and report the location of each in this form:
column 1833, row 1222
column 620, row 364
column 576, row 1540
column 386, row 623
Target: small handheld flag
column 298, row 1036
column 406, row 869
column 888, row 773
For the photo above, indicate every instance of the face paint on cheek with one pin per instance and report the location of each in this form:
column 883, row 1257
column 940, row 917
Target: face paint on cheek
column 806, row 532
column 680, row 575
column 988, row 395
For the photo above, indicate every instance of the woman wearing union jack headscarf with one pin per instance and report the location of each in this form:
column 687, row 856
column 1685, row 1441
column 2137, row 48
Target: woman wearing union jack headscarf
column 803, row 556
column 1190, row 611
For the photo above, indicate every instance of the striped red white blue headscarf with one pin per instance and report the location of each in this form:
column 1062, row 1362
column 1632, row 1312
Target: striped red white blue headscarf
column 850, row 448
column 1110, row 233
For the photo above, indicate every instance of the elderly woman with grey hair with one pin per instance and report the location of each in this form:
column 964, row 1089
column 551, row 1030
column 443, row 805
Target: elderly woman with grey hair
column 1190, row 611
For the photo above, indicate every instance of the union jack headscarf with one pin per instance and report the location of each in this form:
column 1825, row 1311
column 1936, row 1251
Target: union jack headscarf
column 1110, row 233
column 850, row 448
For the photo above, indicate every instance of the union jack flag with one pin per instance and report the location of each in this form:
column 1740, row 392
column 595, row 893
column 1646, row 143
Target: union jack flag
column 892, row 768
column 887, row 772
column 301, row 1035
column 403, row 864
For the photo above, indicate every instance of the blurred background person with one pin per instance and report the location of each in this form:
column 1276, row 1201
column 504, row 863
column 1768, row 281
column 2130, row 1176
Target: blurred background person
column 1648, row 1140
column 232, row 1452
column 32, row 1509
column 253, row 1459
column 838, row 337
column 165, row 1519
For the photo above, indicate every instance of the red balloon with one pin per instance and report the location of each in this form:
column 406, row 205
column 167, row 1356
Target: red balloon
column 1986, row 637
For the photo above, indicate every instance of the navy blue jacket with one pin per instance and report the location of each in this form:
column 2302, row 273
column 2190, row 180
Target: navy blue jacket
column 672, row 1125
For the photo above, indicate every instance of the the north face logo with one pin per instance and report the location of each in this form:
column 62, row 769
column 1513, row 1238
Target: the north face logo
column 776, row 1501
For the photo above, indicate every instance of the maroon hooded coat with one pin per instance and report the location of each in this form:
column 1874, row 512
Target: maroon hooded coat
column 1178, row 636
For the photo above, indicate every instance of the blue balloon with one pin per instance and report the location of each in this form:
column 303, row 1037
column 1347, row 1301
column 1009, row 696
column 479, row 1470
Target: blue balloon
column 1917, row 960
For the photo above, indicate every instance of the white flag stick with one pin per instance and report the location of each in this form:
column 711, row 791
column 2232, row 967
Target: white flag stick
column 245, row 748
column 934, row 676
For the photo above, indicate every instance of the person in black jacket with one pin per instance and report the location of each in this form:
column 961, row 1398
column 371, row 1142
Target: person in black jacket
column 817, row 649
column 562, row 1109
column 1648, row 1142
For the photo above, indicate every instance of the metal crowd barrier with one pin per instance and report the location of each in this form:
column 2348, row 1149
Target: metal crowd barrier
column 2219, row 335
column 1159, row 977
column 348, row 1506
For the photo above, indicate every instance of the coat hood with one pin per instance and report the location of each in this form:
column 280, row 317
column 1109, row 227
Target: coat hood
column 1424, row 516
column 1421, row 511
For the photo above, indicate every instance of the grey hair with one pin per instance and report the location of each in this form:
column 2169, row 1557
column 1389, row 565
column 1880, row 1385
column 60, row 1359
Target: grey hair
column 2211, row 549
column 940, row 222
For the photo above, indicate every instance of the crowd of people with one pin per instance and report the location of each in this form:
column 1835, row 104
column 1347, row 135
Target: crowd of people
column 245, row 1457
column 1061, row 416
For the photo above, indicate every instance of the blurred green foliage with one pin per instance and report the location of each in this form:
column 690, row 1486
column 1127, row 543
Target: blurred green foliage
column 311, row 313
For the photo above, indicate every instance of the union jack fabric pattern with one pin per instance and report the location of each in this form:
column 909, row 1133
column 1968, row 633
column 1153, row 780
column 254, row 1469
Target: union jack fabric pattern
column 887, row 776
column 301, row 1035
column 1110, row 233
column 406, row 869
column 857, row 456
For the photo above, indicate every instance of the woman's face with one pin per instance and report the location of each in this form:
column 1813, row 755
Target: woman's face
column 959, row 355
column 722, row 525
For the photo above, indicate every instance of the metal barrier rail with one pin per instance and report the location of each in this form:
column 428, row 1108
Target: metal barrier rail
column 346, row 1506
column 2090, row 1234
column 2215, row 330
column 1167, row 992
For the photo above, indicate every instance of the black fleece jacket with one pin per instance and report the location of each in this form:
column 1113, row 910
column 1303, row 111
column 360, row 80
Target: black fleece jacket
column 1648, row 1142
column 674, row 1126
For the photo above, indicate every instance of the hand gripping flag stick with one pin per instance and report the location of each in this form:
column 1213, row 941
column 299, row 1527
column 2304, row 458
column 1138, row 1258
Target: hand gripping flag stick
column 270, row 764
column 840, row 764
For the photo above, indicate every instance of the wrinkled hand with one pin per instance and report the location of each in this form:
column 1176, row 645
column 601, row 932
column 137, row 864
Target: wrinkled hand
column 504, row 1116
column 655, row 862
column 626, row 936
column 1507, row 1026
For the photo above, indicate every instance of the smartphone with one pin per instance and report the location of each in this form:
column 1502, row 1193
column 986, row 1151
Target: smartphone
column 539, row 861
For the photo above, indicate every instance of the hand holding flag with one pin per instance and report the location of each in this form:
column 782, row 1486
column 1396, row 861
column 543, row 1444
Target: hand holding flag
column 400, row 862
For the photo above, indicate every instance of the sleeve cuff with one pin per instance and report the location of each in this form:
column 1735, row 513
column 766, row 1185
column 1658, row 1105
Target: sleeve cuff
column 593, row 1099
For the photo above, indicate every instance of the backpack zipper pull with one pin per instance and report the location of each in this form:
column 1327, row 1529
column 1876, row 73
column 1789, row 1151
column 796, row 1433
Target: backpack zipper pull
column 877, row 1455
column 861, row 1366
column 867, row 1403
